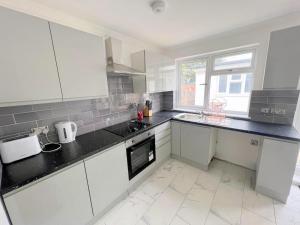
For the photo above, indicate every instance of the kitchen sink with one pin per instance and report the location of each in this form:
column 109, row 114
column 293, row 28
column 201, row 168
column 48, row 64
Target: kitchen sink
column 190, row 117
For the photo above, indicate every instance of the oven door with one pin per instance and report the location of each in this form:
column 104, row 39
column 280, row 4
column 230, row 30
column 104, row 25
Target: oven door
column 140, row 156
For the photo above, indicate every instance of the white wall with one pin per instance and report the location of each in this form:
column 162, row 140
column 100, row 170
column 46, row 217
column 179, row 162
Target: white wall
column 31, row 7
column 255, row 34
column 235, row 147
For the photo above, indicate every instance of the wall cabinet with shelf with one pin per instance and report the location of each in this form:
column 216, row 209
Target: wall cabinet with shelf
column 160, row 70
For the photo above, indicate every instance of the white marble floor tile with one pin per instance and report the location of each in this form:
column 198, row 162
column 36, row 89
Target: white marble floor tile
column 164, row 208
column 129, row 213
column 259, row 204
column 178, row 194
column 201, row 195
column 184, row 180
column 213, row 219
column 234, row 176
column 227, row 203
column 196, row 206
column 217, row 167
column 141, row 222
column 178, row 221
column 293, row 201
column 208, row 181
column 155, row 185
column 285, row 215
column 289, row 213
column 194, row 212
column 249, row 218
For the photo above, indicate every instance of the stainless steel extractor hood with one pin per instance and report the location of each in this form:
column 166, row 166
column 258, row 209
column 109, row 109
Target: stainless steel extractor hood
column 113, row 57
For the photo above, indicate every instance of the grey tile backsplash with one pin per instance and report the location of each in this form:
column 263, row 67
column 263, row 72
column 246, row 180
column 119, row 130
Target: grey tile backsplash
column 89, row 115
column 274, row 106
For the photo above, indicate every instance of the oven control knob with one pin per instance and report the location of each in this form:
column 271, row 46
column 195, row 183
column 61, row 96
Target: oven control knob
column 132, row 141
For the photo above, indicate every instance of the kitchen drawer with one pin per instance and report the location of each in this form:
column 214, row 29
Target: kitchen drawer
column 162, row 134
column 162, row 127
column 163, row 141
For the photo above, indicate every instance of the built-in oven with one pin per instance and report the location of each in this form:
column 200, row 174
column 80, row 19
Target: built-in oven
column 140, row 152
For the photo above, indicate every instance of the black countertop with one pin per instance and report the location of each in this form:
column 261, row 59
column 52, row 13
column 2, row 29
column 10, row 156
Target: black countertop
column 284, row 132
column 25, row 171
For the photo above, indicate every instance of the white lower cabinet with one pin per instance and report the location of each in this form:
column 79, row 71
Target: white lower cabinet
column 107, row 175
column 276, row 167
column 175, row 129
column 193, row 143
column 197, row 143
column 61, row 199
column 163, row 152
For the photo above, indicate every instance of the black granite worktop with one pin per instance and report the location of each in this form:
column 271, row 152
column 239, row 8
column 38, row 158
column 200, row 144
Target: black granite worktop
column 284, row 132
column 25, row 171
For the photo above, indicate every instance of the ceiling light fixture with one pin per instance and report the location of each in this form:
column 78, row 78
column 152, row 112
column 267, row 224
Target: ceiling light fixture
column 158, row 6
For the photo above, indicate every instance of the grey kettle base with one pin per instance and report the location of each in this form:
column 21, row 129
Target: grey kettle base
column 51, row 147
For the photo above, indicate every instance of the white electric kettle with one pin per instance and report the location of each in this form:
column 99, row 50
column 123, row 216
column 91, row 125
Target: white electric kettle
column 66, row 131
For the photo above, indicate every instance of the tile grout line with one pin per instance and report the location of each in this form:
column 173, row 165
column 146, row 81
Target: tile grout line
column 274, row 211
column 185, row 196
column 215, row 193
column 159, row 194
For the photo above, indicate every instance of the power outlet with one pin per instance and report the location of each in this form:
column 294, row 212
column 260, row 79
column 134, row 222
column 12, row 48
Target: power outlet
column 39, row 130
column 254, row 142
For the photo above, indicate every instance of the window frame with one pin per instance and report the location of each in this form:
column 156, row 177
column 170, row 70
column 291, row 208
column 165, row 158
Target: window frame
column 179, row 73
column 210, row 72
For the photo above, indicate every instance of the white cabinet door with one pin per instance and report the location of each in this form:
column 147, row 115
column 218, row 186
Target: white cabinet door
column 282, row 67
column 175, row 129
column 168, row 74
column 276, row 168
column 28, row 69
column 160, row 70
column 81, row 63
column 107, row 175
column 163, row 152
column 60, row 199
column 195, row 143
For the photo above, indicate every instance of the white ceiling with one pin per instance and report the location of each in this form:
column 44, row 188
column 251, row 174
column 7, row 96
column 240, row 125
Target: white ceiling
column 183, row 20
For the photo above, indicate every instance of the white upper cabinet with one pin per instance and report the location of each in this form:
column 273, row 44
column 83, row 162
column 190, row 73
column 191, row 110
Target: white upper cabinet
column 81, row 63
column 160, row 70
column 27, row 64
column 282, row 69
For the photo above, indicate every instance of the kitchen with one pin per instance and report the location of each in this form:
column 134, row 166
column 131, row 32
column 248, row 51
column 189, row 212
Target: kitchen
column 148, row 126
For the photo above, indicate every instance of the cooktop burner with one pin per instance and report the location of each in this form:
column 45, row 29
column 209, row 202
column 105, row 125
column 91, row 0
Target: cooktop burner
column 127, row 128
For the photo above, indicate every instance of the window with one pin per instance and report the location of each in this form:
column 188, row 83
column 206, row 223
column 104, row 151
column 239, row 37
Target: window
column 192, row 83
column 228, row 79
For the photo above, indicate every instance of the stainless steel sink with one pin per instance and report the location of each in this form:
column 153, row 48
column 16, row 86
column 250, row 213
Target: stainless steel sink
column 190, row 117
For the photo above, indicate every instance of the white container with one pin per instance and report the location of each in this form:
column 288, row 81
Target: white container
column 17, row 149
column 66, row 131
